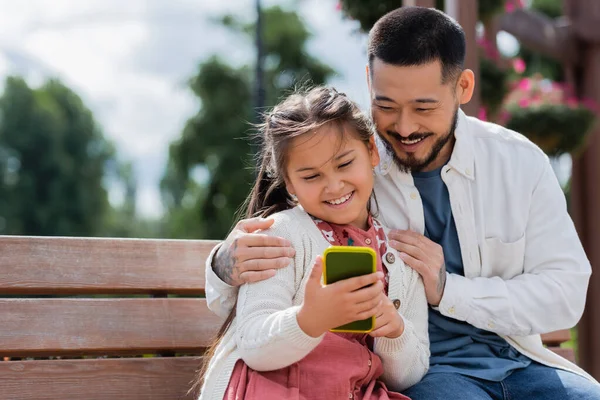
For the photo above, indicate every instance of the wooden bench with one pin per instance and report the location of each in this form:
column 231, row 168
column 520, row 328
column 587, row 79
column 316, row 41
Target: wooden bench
column 102, row 316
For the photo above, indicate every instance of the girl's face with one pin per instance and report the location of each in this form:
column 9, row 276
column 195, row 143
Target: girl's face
column 331, row 173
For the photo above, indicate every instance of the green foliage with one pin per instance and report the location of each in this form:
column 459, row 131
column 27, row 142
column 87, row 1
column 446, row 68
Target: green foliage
column 486, row 8
column 122, row 220
column 52, row 162
column 213, row 138
column 494, row 85
column 538, row 63
column 367, row 12
column 556, row 128
column 489, row 8
column 550, row 8
column 216, row 139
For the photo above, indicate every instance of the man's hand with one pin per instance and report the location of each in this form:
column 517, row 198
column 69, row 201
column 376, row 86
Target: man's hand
column 425, row 257
column 247, row 256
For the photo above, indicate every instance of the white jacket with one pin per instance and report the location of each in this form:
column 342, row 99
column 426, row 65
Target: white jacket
column 265, row 333
column 526, row 272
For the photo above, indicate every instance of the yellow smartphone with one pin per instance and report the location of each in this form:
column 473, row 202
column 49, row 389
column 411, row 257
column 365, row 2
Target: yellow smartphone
column 343, row 262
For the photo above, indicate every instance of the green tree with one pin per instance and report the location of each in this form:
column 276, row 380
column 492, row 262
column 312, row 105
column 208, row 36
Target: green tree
column 52, row 162
column 216, row 139
column 122, row 220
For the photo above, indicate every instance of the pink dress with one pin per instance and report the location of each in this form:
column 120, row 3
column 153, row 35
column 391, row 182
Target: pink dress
column 342, row 366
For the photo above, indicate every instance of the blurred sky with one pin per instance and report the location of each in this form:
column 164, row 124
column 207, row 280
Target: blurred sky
column 130, row 62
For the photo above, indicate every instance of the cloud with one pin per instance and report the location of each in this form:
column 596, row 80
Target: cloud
column 130, row 62
column 182, row 36
column 339, row 43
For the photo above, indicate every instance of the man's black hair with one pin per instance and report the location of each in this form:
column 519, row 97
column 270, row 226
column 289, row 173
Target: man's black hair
column 411, row 36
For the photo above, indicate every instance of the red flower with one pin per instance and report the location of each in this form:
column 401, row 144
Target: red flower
column 524, row 84
column 482, row 114
column 519, row 65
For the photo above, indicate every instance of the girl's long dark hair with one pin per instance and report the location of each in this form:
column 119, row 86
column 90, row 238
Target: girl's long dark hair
column 297, row 115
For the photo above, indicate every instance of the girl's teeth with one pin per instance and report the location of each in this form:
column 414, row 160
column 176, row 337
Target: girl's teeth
column 341, row 200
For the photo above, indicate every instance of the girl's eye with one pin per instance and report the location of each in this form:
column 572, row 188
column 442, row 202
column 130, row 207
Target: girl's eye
column 310, row 178
column 346, row 164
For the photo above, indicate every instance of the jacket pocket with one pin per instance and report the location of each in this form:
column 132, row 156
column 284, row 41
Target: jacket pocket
column 503, row 259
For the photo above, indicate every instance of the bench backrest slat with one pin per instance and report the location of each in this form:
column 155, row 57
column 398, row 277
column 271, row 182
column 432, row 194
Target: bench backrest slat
column 44, row 327
column 98, row 379
column 49, row 265
column 557, row 337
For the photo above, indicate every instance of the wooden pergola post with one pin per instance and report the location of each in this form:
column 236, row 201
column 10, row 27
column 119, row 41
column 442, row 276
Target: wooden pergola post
column 465, row 13
column 575, row 41
column 585, row 183
column 418, row 3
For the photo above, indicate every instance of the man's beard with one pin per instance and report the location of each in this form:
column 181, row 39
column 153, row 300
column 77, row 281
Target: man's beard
column 410, row 164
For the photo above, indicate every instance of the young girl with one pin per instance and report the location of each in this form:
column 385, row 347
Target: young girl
column 316, row 180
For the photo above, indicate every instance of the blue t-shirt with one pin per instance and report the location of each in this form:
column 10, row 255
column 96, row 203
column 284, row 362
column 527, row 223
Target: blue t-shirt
column 457, row 346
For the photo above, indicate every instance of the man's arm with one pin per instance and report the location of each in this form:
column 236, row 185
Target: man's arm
column 244, row 256
column 220, row 297
column 549, row 294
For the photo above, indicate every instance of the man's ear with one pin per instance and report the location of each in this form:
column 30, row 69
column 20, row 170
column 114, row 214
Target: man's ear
column 368, row 77
column 465, row 86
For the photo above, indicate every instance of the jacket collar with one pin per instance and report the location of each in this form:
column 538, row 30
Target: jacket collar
column 463, row 155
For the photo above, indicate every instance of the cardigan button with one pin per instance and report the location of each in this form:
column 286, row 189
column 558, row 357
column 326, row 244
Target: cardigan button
column 396, row 303
column 389, row 257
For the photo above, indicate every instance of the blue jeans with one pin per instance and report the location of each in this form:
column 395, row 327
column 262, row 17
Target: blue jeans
column 533, row 382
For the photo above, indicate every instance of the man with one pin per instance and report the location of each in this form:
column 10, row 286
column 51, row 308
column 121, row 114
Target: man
column 477, row 212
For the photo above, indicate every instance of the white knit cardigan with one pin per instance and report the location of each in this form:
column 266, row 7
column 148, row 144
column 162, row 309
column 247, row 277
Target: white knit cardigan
column 266, row 336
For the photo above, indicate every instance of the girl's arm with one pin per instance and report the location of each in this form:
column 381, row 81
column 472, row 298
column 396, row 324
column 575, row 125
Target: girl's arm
column 406, row 358
column 267, row 332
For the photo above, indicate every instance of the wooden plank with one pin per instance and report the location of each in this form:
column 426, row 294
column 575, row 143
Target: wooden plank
column 537, row 32
column 557, row 337
column 39, row 327
column 585, row 191
column 104, row 379
column 585, row 16
column 50, row 265
column 419, row 3
column 569, row 354
column 465, row 13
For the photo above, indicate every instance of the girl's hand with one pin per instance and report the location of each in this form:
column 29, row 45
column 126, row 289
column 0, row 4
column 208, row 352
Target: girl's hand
column 327, row 307
column 388, row 323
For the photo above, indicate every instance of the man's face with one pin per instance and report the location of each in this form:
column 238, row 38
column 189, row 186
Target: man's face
column 415, row 113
